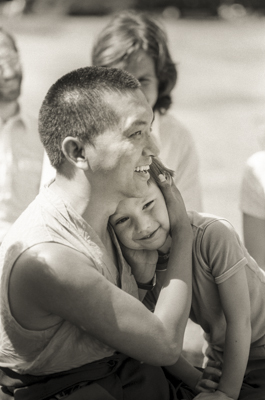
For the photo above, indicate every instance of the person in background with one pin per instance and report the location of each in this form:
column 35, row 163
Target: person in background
column 138, row 43
column 252, row 205
column 21, row 152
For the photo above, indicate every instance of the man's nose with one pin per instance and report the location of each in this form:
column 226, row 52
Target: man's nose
column 150, row 148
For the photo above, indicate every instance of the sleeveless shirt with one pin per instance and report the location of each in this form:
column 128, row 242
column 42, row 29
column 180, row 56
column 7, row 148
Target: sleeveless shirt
column 63, row 346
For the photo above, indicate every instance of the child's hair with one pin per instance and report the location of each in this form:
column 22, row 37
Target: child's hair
column 128, row 32
column 157, row 168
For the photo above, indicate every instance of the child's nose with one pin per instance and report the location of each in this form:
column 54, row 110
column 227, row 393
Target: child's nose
column 143, row 225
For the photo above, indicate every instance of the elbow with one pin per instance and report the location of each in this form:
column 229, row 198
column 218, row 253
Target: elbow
column 171, row 359
column 170, row 354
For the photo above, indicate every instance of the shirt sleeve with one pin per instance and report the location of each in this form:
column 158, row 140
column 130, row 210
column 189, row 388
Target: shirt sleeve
column 222, row 250
column 252, row 195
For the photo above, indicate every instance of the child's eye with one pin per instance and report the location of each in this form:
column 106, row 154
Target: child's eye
column 144, row 79
column 121, row 221
column 138, row 133
column 148, row 204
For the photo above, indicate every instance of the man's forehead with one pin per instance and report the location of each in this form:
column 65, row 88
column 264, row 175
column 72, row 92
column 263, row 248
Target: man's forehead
column 138, row 117
column 131, row 107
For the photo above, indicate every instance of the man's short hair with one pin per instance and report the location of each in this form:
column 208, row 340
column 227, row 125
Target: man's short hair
column 75, row 106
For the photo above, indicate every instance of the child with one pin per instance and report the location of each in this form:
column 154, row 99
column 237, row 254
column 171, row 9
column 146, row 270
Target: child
column 228, row 286
column 137, row 43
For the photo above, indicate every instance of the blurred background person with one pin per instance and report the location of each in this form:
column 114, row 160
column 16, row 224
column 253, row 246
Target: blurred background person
column 137, row 42
column 252, row 203
column 21, row 152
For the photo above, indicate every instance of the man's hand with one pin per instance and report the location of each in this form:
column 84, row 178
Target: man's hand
column 142, row 263
column 217, row 395
column 210, row 377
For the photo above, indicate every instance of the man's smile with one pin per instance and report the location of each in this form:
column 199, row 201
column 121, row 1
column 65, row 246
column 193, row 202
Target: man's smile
column 143, row 168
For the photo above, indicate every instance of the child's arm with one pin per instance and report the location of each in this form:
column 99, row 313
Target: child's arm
column 199, row 381
column 235, row 301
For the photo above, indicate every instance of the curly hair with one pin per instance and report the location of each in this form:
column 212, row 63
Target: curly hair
column 126, row 33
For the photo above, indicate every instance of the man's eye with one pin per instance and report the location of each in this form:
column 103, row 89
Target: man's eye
column 136, row 134
column 148, row 204
column 121, row 221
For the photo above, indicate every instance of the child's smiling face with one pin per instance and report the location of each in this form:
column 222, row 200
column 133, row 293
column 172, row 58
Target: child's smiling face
column 142, row 223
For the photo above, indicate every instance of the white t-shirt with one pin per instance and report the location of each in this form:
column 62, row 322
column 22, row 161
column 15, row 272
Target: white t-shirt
column 252, row 196
column 21, row 157
column 178, row 152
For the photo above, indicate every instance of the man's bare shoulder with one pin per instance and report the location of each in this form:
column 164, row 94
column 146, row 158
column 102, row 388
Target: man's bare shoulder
column 41, row 278
column 51, row 255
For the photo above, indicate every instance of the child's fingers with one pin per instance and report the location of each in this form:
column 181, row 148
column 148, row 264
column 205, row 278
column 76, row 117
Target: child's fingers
column 212, row 371
column 212, row 363
column 206, row 385
column 165, row 177
column 164, row 181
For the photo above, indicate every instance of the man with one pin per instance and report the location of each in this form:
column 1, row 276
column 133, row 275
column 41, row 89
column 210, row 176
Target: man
column 21, row 152
column 71, row 319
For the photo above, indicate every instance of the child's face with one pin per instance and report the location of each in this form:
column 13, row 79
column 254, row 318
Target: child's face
column 142, row 67
column 142, row 223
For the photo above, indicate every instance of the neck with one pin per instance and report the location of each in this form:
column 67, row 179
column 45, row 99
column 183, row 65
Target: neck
column 8, row 109
column 92, row 203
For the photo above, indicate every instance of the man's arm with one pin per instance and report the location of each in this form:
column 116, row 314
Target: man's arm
column 50, row 282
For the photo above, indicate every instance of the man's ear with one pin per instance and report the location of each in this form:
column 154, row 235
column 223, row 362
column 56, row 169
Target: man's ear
column 74, row 151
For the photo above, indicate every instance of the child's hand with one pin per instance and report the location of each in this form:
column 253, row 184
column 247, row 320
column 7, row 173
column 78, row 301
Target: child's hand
column 217, row 395
column 210, row 377
column 175, row 205
column 142, row 263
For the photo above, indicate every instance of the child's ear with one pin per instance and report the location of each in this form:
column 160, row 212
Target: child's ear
column 74, row 152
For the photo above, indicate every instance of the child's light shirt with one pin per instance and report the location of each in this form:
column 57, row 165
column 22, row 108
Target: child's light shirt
column 63, row 346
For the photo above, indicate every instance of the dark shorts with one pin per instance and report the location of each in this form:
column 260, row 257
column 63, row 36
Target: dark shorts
column 114, row 378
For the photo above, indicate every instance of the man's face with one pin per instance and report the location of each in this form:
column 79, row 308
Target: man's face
column 121, row 156
column 142, row 223
column 10, row 72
